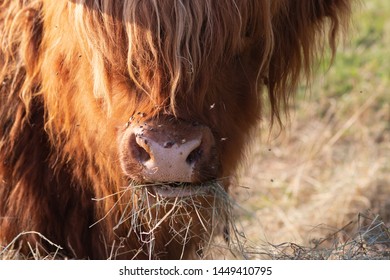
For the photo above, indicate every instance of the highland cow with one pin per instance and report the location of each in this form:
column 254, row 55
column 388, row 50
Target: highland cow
column 122, row 122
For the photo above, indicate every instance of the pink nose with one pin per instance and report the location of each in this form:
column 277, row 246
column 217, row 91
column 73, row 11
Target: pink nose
column 173, row 151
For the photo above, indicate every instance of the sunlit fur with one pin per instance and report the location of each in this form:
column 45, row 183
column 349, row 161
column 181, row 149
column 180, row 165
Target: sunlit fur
column 73, row 72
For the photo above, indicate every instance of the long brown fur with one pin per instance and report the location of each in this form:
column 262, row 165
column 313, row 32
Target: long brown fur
column 73, row 72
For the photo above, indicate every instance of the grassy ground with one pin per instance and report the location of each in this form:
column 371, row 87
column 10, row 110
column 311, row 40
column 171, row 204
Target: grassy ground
column 332, row 161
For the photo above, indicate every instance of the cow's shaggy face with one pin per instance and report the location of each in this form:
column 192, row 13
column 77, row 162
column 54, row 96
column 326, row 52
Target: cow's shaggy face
column 135, row 114
column 189, row 88
column 185, row 112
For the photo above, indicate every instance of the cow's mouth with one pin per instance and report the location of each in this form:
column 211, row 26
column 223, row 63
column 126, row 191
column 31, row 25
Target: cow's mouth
column 177, row 190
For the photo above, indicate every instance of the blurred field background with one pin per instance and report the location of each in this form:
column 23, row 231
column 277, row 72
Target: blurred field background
column 324, row 180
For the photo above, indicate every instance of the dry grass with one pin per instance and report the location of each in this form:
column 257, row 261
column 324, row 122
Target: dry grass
column 201, row 217
column 355, row 241
column 12, row 252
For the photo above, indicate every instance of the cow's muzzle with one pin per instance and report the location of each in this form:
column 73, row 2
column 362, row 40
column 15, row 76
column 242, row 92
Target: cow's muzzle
column 167, row 150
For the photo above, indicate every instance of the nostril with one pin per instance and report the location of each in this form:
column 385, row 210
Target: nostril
column 194, row 156
column 137, row 147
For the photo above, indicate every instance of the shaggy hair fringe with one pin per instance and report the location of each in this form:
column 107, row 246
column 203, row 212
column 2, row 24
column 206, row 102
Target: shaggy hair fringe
column 166, row 47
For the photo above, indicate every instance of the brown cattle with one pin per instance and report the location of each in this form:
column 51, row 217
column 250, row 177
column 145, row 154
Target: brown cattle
column 121, row 122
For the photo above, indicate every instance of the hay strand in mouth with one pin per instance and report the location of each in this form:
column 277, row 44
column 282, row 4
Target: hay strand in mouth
column 186, row 222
